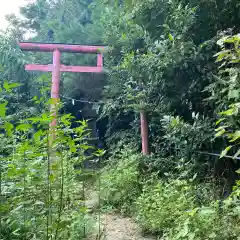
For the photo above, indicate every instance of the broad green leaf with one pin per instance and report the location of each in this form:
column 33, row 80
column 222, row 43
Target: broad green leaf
column 9, row 86
column 72, row 146
column 35, row 98
column 231, row 39
column 224, row 52
column 85, row 147
column 225, row 151
column 99, row 152
column 52, row 178
column 3, row 109
column 235, row 136
column 83, row 209
column 53, row 101
column 37, row 136
column 183, row 233
column 220, row 120
column 220, row 133
column 221, row 55
column 55, row 166
column 17, row 232
column 8, row 127
column 229, row 112
column 235, row 61
column 24, row 127
column 221, row 128
column 170, row 36
column 18, row 207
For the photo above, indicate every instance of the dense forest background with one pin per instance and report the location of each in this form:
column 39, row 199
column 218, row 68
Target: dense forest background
column 178, row 60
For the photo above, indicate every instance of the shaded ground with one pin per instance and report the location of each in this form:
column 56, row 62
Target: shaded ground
column 113, row 226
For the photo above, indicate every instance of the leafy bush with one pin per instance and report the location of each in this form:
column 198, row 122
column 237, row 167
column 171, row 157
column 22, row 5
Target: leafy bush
column 212, row 222
column 183, row 136
column 38, row 187
column 228, row 124
column 177, row 144
column 82, row 225
column 170, row 210
column 120, row 183
column 161, row 204
column 118, row 140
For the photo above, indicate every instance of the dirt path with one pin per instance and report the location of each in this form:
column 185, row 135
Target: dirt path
column 114, row 226
column 122, row 228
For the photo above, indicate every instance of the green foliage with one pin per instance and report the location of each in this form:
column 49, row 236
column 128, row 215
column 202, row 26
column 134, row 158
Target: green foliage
column 228, row 125
column 40, row 197
column 186, row 137
column 177, row 148
column 175, row 206
column 160, row 60
column 81, row 226
column 236, row 191
column 161, row 63
column 207, row 223
column 161, row 204
column 143, row 63
column 170, row 210
column 118, row 141
column 120, row 181
column 224, row 90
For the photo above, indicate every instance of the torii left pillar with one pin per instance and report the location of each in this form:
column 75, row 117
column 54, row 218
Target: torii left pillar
column 56, row 68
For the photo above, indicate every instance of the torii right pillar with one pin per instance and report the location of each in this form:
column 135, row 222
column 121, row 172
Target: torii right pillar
column 144, row 133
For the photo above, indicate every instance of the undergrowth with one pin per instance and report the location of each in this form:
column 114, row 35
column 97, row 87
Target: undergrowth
column 120, row 183
column 171, row 208
column 40, row 196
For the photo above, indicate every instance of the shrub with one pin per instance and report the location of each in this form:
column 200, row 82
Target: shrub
column 209, row 222
column 39, row 191
column 161, row 204
column 120, row 182
column 81, row 226
column 170, row 210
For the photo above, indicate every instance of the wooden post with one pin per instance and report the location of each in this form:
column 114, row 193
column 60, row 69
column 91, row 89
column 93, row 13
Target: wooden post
column 144, row 133
column 55, row 85
column 99, row 60
column 56, row 74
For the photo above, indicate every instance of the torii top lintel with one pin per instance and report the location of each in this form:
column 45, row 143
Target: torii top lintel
column 50, row 47
column 57, row 49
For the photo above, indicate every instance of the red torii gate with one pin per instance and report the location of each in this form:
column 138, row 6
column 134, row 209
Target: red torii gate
column 56, row 68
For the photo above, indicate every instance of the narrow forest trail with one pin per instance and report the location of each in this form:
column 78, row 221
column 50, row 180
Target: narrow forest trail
column 114, row 226
column 118, row 227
